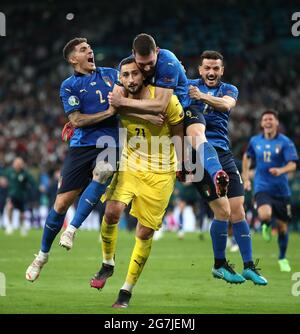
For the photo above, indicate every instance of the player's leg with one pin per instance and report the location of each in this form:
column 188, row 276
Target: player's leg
column 53, row 225
column 139, row 257
column 74, row 178
column 109, row 234
column 218, row 232
column 283, row 238
column 87, row 202
column 282, row 210
column 195, row 129
column 241, row 232
column 265, row 212
column 9, row 208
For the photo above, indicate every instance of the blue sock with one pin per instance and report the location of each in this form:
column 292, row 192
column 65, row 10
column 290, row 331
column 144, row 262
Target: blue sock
column 218, row 233
column 209, row 159
column 242, row 236
column 283, row 239
column 53, row 225
column 88, row 200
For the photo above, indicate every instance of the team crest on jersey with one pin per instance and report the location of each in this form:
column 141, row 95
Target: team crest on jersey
column 108, row 81
column 277, row 149
column 73, row 100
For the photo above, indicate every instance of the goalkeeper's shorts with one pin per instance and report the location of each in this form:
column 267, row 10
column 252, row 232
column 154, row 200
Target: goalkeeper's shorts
column 149, row 192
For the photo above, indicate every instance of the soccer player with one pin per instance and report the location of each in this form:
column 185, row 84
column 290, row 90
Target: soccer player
column 211, row 105
column 84, row 98
column 275, row 155
column 146, row 177
column 19, row 182
column 162, row 69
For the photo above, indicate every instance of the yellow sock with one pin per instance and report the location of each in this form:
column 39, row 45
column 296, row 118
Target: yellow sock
column 138, row 259
column 109, row 234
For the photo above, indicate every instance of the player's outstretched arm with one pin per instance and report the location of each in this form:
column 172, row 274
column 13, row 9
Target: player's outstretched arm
column 153, row 106
column 223, row 104
column 80, row 120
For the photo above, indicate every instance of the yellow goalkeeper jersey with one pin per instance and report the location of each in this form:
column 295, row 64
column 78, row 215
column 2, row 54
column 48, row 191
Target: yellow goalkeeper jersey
column 147, row 147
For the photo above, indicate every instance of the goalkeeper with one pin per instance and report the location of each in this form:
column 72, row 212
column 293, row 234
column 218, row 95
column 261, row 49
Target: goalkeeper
column 146, row 177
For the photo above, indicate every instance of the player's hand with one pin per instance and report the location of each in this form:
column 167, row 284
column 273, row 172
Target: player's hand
column 275, row 171
column 194, row 93
column 67, row 132
column 115, row 99
column 157, row 120
column 247, row 185
column 182, row 172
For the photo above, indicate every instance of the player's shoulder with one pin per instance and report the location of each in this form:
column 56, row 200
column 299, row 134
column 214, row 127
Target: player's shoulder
column 284, row 138
column 228, row 88
column 107, row 71
column 256, row 138
column 69, row 82
column 195, row 82
column 167, row 58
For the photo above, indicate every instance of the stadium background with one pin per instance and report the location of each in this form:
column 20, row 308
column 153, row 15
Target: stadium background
column 261, row 58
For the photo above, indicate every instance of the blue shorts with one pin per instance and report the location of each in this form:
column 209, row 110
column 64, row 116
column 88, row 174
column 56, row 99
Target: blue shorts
column 193, row 116
column 77, row 170
column 281, row 205
column 206, row 187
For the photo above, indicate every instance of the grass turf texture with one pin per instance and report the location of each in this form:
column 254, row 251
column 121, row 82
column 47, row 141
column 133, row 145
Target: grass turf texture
column 176, row 280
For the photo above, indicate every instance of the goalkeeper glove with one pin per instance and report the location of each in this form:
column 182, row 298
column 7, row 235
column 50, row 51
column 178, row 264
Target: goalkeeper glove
column 67, row 132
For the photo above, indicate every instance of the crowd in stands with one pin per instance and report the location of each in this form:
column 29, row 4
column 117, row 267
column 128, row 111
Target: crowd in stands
column 261, row 59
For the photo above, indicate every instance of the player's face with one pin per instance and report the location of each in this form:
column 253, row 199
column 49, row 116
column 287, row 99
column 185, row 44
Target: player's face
column 147, row 63
column 211, row 71
column 82, row 58
column 131, row 78
column 269, row 124
column 18, row 164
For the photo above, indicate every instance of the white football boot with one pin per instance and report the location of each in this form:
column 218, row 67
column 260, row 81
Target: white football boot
column 33, row 271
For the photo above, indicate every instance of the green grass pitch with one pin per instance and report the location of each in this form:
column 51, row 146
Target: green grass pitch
column 176, row 280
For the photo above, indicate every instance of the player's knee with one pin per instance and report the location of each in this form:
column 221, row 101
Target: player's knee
column 223, row 213
column 61, row 206
column 237, row 215
column 264, row 216
column 102, row 172
column 112, row 216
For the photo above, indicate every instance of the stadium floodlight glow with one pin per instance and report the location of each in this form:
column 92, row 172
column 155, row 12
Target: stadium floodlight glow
column 70, row 16
column 2, row 24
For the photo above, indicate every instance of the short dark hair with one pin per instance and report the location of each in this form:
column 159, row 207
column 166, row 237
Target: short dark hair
column 70, row 46
column 126, row 61
column 210, row 54
column 270, row 111
column 143, row 44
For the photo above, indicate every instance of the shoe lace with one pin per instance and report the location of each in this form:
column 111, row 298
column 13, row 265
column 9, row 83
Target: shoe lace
column 255, row 268
column 229, row 267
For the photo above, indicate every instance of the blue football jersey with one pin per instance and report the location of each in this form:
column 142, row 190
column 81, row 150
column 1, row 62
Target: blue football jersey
column 216, row 121
column 88, row 94
column 169, row 73
column 268, row 153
